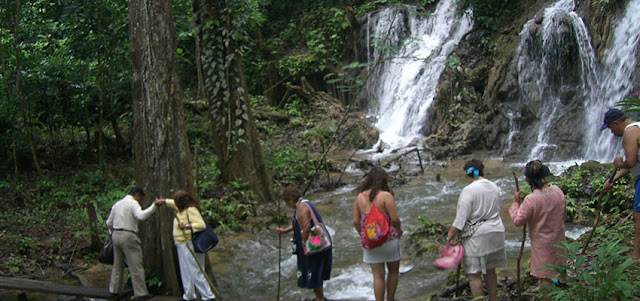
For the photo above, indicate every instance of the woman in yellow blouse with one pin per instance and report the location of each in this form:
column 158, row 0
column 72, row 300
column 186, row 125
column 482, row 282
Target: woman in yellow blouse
column 188, row 218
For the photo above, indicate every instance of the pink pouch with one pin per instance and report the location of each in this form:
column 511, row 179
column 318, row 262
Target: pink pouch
column 450, row 257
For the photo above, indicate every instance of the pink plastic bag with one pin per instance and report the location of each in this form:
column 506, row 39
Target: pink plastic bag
column 450, row 257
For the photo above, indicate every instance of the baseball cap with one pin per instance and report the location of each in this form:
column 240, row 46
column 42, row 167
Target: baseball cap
column 609, row 116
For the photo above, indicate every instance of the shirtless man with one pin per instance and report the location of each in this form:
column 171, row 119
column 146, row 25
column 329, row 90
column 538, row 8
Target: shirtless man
column 629, row 130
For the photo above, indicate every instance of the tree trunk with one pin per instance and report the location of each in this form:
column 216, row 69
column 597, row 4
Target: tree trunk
column 196, row 21
column 162, row 159
column 117, row 131
column 235, row 136
column 100, row 134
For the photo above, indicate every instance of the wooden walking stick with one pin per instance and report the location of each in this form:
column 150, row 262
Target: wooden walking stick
column 202, row 269
column 204, row 273
column 279, row 255
column 595, row 223
column 524, row 238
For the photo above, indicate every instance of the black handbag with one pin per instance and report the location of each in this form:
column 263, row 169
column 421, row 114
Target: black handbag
column 106, row 252
column 204, row 240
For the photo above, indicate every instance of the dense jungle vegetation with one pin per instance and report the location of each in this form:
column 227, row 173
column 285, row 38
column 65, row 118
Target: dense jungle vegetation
column 66, row 117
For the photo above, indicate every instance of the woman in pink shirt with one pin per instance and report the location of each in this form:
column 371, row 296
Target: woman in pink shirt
column 545, row 210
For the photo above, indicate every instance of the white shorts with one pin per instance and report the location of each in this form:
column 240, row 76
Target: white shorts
column 388, row 252
column 474, row 265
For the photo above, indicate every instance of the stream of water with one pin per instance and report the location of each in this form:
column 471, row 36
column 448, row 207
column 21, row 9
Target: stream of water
column 248, row 265
column 402, row 91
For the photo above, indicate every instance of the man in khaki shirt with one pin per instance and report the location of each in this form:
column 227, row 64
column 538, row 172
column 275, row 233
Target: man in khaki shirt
column 123, row 224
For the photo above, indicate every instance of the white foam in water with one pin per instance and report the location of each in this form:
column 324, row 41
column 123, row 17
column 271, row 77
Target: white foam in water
column 354, row 282
column 512, row 244
column 575, row 233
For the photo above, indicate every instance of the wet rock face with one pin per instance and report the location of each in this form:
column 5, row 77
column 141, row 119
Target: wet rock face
column 490, row 101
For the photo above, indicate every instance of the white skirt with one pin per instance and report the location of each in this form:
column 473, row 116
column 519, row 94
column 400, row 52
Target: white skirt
column 388, row 252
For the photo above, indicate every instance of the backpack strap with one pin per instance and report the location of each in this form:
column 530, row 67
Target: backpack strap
column 376, row 199
column 357, row 197
column 313, row 214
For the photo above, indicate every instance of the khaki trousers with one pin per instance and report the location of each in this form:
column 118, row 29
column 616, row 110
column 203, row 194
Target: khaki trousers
column 127, row 245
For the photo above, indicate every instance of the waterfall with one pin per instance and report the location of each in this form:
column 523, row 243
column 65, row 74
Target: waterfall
column 561, row 84
column 616, row 83
column 409, row 52
column 546, row 65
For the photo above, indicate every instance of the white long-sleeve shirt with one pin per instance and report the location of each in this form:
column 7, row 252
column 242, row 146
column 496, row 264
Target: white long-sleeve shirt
column 126, row 213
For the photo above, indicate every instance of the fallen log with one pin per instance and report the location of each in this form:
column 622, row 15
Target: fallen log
column 449, row 291
column 54, row 288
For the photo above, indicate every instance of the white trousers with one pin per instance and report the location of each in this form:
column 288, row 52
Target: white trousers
column 192, row 277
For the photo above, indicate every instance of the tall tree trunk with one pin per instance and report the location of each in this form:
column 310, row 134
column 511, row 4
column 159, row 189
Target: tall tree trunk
column 235, row 136
column 117, row 131
column 162, row 159
column 197, row 22
column 100, row 132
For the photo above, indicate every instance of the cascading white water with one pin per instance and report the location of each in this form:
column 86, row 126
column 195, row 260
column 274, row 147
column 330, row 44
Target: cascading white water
column 616, row 83
column 540, row 70
column 404, row 82
column 601, row 86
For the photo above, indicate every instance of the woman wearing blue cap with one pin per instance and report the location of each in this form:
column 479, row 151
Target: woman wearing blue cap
column 479, row 226
column 621, row 126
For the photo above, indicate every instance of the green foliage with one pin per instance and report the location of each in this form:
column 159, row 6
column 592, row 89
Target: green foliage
column 295, row 108
column 571, row 183
column 453, row 62
column 225, row 40
column 487, row 14
column 602, row 4
column 578, row 180
column 347, row 83
column 288, row 166
column 208, row 169
column 13, row 264
column 616, row 200
column 235, row 206
column 154, row 284
column 366, row 8
column 605, row 278
column 74, row 66
column 632, row 102
column 425, row 226
column 320, row 37
column 322, row 133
